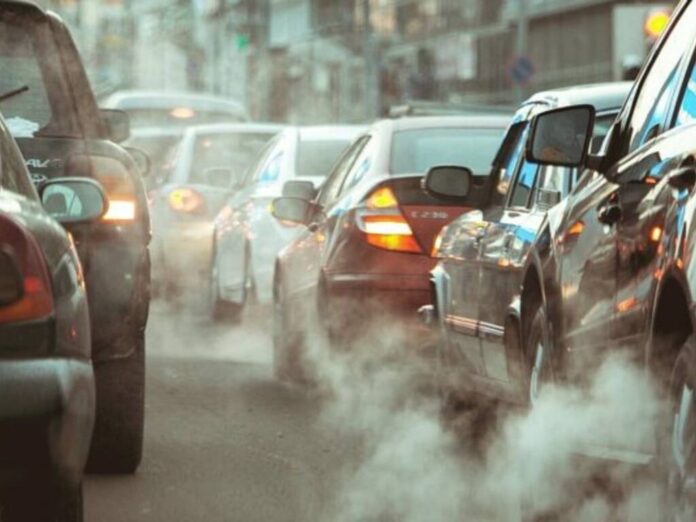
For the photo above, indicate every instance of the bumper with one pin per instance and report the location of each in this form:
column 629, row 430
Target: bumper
column 46, row 418
column 373, row 298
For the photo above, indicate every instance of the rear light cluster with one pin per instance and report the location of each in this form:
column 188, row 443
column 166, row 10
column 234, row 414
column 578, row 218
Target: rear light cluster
column 186, row 200
column 384, row 225
column 116, row 180
column 35, row 298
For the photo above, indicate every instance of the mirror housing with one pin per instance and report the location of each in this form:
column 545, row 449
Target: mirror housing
column 293, row 210
column 561, row 137
column 11, row 280
column 73, row 201
column 117, row 124
column 300, row 190
column 448, row 182
column 142, row 160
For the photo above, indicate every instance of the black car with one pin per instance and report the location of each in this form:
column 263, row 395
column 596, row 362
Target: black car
column 481, row 252
column 51, row 111
column 613, row 270
column 47, row 396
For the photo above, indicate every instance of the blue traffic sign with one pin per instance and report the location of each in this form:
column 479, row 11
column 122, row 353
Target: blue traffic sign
column 521, row 70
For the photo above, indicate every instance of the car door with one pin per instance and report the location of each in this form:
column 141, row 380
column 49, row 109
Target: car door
column 594, row 256
column 645, row 197
column 304, row 256
column 461, row 267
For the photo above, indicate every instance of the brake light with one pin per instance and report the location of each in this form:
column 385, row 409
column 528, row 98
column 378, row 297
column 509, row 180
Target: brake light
column 384, row 225
column 116, row 180
column 36, row 301
column 186, row 200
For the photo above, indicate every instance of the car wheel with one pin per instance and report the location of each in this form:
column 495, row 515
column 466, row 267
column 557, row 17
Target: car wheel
column 678, row 444
column 539, row 350
column 221, row 310
column 286, row 364
column 117, row 442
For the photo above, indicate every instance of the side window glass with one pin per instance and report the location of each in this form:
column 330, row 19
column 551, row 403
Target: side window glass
column 256, row 172
column 509, row 157
column 524, row 185
column 360, row 167
column 333, row 185
column 13, row 173
column 686, row 110
column 659, row 86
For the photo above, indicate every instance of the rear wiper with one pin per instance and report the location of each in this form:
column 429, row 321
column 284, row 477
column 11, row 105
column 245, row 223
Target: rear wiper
column 13, row 93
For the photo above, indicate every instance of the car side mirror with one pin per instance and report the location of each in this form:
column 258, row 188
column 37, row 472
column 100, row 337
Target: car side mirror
column 117, row 124
column 300, row 190
column 142, row 160
column 448, row 182
column 221, row 177
column 294, row 210
column 561, row 137
column 11, row 280
column 72, row 201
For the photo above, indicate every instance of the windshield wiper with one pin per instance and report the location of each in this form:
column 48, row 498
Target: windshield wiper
column 13, row 93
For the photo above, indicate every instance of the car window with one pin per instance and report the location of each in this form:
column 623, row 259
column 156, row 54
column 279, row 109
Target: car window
column 686, row 109
column 361, row 166
column 332, row 187
column 649, row 111
column 508, row 158
column 524, row 185
column 417, row 151
column 254, row 170
column 268, row 168
column 13, row 173
column 316, row 157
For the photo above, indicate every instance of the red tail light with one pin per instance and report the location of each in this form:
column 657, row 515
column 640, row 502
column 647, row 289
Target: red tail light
column 36, row 301
column 384, row 225
column 186, row 200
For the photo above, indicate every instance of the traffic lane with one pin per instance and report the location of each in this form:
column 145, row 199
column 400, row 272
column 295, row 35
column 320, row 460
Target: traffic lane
column 223, row 441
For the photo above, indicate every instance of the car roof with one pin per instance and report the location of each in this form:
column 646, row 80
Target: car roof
column 137, row 99
column 429, row 122
column 603, row 96
column 328, row 132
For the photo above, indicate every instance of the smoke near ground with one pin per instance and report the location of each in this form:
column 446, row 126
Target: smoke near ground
column 532, row 466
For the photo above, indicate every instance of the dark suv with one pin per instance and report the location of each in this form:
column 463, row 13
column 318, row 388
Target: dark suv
column 50, row 109
column 614, row 268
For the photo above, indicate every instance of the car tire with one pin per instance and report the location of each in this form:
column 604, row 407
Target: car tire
column 221, row 310
column 286, row 363
column 117, row 442
column 677, row 436
column 539, row 352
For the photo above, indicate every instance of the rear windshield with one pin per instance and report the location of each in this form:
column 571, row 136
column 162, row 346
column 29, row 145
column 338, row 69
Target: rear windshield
column 317, row 157
column 179, row 117
column 30, row 61
column 235, row 151
column 416, row 151
column 156, row 147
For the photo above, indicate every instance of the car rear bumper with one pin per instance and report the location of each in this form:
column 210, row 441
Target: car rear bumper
column 46, row 418
column 375, row 298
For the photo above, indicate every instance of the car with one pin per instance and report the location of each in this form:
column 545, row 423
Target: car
column 247, row 238
column 47, row 391
column 479, row 254
column 159, row 143
column 612, row 269
column 166, row 109
column 209, row 163
column 364, row 252
column 50, row 109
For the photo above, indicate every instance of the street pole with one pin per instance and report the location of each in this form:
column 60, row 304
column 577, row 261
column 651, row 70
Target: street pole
column 522, row 41
column 372, row 83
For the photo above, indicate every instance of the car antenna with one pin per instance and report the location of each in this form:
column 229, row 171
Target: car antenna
column 13, row 93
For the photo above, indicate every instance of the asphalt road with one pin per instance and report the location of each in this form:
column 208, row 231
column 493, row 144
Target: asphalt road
column 223, row 440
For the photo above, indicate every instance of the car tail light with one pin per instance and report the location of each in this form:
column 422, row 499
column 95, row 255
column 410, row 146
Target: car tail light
column 186, row 200
column 36, row 299
column 384, row 225
column 116, row 180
